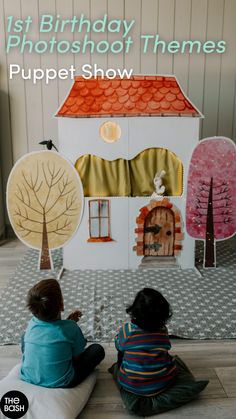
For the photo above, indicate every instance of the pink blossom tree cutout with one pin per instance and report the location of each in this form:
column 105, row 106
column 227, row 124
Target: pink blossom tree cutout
column 211, row 194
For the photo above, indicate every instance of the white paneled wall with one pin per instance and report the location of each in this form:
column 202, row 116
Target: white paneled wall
column 27, row 110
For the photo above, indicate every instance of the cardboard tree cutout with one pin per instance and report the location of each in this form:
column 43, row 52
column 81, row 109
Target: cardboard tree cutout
column 45, row 202
column 211, row 194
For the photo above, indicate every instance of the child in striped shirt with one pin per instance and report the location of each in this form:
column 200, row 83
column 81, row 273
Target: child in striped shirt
column 144, row 365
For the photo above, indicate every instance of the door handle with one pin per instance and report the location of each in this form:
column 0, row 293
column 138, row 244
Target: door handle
column 153, row 229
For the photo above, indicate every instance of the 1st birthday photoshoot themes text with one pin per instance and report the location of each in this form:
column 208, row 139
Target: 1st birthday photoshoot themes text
column 83, row 30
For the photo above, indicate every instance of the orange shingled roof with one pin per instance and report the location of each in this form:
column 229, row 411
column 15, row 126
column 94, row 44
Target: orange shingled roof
column 139, row 95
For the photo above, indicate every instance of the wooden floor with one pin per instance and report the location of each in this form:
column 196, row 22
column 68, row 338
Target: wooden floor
column 212, row 360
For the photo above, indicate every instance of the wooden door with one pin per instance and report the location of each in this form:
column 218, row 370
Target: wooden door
column 159, row 232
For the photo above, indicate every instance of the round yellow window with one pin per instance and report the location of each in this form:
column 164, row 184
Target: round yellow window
column 110, row 132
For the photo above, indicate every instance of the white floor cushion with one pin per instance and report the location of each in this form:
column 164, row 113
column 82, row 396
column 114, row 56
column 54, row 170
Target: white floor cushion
column 46, row 402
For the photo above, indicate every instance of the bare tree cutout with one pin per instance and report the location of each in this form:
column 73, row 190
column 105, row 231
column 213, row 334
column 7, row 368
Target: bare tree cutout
column 45, row 202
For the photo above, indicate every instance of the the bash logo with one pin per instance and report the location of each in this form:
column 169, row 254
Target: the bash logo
column 14, row 404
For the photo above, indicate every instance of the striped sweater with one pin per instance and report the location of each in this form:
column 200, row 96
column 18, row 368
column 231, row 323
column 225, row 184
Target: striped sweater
column 146, row 368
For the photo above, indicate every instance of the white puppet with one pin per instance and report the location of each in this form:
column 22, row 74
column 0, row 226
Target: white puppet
column 158, row 183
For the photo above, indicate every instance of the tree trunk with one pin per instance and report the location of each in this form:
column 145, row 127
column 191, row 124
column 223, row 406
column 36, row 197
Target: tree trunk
column 45, row 262
column 210, row 240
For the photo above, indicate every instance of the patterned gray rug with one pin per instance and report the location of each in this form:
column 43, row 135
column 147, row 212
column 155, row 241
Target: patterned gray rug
column 203, row 301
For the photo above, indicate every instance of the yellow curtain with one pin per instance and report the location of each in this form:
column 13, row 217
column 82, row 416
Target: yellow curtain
column 147, row 163
column 130, row 177
column 103, row 177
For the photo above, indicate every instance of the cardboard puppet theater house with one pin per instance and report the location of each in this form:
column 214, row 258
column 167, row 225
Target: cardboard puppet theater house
column 131, row 141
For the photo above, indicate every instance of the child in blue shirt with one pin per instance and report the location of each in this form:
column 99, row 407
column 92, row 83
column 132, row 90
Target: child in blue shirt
column 53, row 350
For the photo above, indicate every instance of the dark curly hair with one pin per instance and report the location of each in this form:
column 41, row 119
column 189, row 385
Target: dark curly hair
column 45, row 300
column 150, row 310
